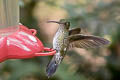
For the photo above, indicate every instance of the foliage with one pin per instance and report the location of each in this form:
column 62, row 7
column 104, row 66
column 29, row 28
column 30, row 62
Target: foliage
column 98, row 17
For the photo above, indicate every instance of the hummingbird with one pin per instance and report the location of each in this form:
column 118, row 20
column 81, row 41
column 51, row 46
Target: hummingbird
column 66, row 38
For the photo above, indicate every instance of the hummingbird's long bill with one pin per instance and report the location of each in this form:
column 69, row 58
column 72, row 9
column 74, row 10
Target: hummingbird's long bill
column 54, row 22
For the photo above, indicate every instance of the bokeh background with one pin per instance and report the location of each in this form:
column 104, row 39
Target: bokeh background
column 94, row 17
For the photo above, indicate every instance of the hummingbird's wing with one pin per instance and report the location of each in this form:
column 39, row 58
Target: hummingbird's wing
column 74, row 31
column 84, row 41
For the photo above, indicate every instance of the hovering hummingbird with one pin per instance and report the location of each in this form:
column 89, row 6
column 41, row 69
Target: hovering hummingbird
column 65, row 39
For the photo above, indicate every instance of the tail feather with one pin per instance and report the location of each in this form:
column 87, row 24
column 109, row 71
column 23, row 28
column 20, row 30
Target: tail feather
column 52, row 66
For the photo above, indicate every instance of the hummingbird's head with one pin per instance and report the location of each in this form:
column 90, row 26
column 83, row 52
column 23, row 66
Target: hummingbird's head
column 63, row 22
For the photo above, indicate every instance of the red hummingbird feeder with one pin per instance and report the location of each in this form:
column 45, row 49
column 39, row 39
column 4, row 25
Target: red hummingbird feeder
column 22, row 44
column 16, row 40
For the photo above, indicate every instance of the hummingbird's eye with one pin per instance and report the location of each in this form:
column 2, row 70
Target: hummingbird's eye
column 67, row 24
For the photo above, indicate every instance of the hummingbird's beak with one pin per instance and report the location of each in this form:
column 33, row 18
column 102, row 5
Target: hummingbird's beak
column 54, row 22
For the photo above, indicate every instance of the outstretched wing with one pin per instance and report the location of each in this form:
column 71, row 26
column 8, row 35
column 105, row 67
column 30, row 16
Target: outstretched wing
column 84, row 41
column 74, row 31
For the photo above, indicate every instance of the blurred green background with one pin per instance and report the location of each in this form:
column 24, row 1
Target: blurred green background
column 94, row 17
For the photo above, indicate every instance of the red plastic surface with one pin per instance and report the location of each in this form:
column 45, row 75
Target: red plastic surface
column 22, row 44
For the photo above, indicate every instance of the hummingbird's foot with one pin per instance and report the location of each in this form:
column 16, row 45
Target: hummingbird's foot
column 53, row 48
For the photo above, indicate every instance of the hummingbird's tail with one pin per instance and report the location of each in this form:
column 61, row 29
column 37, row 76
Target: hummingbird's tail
column 53, row 64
